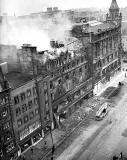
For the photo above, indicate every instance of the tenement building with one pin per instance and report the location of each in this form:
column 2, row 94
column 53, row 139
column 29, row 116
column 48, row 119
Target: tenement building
column 31, row 108
column 104, row 39
column 68, row 69
column 8, row 149
column 70, row 80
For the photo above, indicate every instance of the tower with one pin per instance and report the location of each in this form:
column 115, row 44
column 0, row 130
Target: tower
column 114, row 14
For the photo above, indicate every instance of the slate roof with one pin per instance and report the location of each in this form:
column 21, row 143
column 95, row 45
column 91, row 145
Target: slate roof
column 17, row 79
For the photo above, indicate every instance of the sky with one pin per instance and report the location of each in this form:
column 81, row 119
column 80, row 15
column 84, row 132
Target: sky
column 21, row 7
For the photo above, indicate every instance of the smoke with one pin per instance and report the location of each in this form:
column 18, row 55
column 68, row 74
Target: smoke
column 36, row 30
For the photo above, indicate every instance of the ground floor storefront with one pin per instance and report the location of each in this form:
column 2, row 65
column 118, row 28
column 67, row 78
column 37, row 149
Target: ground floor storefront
column 32, row 139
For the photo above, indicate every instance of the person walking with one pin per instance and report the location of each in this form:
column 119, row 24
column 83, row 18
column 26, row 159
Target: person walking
column 32, row 150
column 121, row 155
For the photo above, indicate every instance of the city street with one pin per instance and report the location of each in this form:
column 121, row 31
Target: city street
column 111, row 140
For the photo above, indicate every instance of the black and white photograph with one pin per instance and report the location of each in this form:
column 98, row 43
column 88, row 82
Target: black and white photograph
column 63, row 79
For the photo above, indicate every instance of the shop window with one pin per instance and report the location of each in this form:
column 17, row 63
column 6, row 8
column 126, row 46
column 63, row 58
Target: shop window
column 18, row 111
column 34, row 91
column 30, row 104
column 22, row 96
column 36, row 111
column 26, row 119
column 24, row 108
column 31, row 115
column 28, row 93
column 16, row 100
column 19, row 122
column 35, row 101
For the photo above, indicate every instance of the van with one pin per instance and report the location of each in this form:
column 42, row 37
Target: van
column 101, row 113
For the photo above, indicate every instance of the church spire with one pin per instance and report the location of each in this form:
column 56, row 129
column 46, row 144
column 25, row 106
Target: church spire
column 114, row 14
column 114, row 5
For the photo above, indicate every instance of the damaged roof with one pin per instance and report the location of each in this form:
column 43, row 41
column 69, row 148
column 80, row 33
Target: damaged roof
column 98, row 27
column 17, row 79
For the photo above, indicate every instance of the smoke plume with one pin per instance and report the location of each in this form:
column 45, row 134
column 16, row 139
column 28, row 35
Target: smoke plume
column 37, row 31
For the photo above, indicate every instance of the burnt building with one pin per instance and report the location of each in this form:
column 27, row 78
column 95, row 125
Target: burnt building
column 104, row 43
column 8, row 148
column 70, row 80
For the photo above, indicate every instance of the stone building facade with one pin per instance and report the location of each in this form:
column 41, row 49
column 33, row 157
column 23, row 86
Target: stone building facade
column 31, row 108
column 70, row 82
column 8, row 149
column 103, row 40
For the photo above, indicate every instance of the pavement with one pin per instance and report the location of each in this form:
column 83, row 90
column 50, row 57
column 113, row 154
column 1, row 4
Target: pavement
column 39, row 150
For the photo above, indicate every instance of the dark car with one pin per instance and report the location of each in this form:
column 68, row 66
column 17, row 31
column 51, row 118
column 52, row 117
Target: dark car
column 121, row 83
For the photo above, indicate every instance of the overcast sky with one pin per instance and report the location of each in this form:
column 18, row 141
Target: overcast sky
column 20, row 7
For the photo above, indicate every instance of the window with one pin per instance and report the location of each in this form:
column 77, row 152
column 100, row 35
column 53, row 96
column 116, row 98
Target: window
column 28, row 93
column 16, row 100
column 46, row 96
column 36, row 111
column 7, row 136
column 26, row 119
column 34, row 91
column 3, row 99
column 18, row 111
column 80, row 70
column 51, row 85
column 24, row 108
column 9, row 147
column 35, row 101
column 4, row 112
column 30, row 104
column 52, row 75
column 19, row 122
column 82, row 59
column 45, row 85
column 6, row 125
column 22, row 96
column 31, row 115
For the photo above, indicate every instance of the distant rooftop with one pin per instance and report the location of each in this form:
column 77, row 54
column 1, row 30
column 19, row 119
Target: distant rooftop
column 96, row 26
